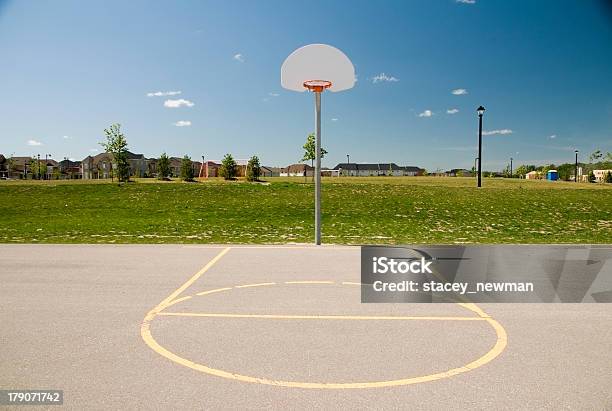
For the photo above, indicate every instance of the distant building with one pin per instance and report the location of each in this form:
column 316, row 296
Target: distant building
column 459, row 172
column 211, row 168
column 297, row 170
column 270, row 171
column 600, row 175
column 533, row 175
column 69, row 169
column 377, row 169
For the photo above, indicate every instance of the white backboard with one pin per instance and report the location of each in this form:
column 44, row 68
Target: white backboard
column 317, row 62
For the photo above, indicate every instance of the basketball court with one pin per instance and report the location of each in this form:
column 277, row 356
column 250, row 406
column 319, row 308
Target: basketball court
column 277, row 326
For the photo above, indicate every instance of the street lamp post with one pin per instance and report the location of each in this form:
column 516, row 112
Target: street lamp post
column 38, row 168
column 348, row 162
column 510, row 167
column 480, row 110
column 576, row 167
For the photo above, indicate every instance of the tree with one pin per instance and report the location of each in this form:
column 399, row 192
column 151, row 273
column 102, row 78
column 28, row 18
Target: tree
column 163, row 167
column 253, row 170
column 228, row 167
column 186, row 169
column 566, row 171
column 596, row 156
column 591, row 177
column 310, row 149
column 608, row 178
column 117, row 146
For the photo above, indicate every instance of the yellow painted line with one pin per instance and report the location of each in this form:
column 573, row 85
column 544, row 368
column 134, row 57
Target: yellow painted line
column 214, row 291
column 254, row 285
column 350, row 283
column 171, row 303
column 324, row 317
column 194, row 278
column 309, row 282
column 145, row 331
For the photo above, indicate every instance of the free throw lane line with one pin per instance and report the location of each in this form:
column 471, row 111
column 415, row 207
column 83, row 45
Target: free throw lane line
column 323, row 317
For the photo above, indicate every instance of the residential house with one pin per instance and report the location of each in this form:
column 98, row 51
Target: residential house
column 459, row 172
column 377, row 169
column 534, row 175
column 267, row 171
column 600, row 175
column 297, row 170
column 69, row 169
column 211, row 168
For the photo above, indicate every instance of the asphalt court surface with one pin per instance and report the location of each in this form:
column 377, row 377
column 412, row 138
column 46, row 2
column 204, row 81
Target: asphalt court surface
column 266, row 327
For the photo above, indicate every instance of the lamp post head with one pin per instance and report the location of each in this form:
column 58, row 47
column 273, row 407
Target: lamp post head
column 480, row 110
column 576, row 151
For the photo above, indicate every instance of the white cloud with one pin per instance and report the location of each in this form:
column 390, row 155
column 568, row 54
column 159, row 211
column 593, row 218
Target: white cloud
column 552, row 137
column 426, row 113
column 67, row 137
column 459, row 91
column 493, row 132
column 383, row 77
column 182, row 123
column 466, row 1
column 163, row 93
column 239, row 57
column 334, row 119
column 34, row 143
column 452, row 111
column 273, row 94
column 178, row 103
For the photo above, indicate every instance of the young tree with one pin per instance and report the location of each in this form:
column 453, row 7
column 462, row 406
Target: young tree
column 163, row 166
column 253, row 170
column 228, row 167
column 186, row 169
column 608, row 178
column 310, row 149
column 117, row 146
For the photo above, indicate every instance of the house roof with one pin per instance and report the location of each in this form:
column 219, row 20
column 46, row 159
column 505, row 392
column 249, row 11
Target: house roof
column 374, row 167
column 297, row 168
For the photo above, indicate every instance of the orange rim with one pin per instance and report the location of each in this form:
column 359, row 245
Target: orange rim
column 317, row 86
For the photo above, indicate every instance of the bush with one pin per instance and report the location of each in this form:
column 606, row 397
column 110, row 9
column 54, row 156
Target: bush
column 253, row 170
column 228, row 167
column 608, row 178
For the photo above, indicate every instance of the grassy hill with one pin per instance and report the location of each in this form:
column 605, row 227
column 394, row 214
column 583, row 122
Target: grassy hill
column 386, row 210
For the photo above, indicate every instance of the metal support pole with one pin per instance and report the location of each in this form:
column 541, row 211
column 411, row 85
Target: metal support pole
column 479, row 150
column 318, row 168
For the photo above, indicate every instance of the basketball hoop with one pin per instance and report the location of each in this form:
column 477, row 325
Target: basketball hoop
column 317, row 61
column 317, row 86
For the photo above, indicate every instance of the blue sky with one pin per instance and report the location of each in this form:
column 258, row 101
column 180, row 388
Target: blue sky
column 543, row 70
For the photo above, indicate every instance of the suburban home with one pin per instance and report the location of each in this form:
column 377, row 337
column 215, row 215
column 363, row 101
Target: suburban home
column 297, row 170
column 70, row 169
column 533, row 175
column 270, row 171
column 377, row 169
column 459, row 172
column 600, row 175
column 101, row 165
column 211, row 168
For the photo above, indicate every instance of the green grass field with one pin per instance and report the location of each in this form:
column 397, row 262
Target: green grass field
column 386, row 210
